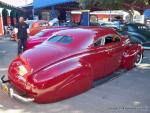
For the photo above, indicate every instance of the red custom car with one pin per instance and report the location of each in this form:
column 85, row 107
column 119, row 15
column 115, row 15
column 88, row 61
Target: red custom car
column 68, row 63
column 41, row 36
column 34, row 26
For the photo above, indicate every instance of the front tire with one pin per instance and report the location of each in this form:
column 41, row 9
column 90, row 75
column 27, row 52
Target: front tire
column 138, row 60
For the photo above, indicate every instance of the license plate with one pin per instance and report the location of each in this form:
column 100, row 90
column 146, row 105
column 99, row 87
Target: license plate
column 5, row 88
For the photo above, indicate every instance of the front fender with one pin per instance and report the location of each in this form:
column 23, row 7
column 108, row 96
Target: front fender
column 61, row 80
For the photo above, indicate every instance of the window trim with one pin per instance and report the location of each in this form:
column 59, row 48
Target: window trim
column 100, row 38
column 111, row 35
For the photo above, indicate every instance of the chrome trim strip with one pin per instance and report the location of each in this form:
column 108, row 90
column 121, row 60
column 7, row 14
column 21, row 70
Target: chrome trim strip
column 23, row 99
column 11, row 92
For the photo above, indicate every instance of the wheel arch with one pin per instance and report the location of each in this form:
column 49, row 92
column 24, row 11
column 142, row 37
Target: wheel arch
column 129, row 55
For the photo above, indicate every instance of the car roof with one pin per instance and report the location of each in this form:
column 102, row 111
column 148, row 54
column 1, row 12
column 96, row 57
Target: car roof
column 88, row 32
column 83, row 37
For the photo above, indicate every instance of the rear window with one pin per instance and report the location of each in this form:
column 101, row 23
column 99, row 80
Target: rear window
column 39, row 34
column 61, row 39
column 142, row 27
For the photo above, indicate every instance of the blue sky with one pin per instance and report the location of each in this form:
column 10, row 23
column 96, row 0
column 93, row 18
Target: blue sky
column 17, row 2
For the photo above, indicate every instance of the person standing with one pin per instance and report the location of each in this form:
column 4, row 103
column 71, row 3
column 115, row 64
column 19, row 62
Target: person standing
column 22, row 30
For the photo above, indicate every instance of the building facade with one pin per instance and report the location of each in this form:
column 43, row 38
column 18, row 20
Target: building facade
column 8, row 16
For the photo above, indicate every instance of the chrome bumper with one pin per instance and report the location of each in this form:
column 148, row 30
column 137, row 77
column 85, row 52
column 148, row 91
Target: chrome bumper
column 11, row 91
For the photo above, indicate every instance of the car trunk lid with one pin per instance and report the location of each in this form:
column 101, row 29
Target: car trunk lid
column 44, row 55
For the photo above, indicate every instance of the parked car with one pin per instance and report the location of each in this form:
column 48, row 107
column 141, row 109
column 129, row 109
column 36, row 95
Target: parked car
column 34, row 26
column 68, row 63
column 37, row 25
column 42, row 36
column 138, row 33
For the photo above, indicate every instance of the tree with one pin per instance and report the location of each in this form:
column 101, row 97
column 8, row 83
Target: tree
column 86, row 4
column 112, row 4
column 135, row 5
column 127, row 5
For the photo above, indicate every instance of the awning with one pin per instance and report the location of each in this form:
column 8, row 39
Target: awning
column 45, row 3
column 147, row 13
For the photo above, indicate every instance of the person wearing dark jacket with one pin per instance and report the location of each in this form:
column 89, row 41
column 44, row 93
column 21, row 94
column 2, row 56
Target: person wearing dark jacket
column 22, row 30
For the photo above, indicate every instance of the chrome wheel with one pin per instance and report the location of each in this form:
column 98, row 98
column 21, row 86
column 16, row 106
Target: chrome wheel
column 138, row 59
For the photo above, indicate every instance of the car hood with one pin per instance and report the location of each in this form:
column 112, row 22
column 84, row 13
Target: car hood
column 43, row 55
column 146, row 34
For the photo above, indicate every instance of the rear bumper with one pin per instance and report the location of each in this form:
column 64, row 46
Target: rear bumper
column 7, row 89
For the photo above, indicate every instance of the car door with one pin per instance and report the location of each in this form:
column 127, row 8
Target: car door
column 114, row 51
column 97, row 59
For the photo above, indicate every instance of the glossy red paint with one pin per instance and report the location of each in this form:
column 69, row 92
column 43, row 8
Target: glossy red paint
column 42, row 36
column 56, row 70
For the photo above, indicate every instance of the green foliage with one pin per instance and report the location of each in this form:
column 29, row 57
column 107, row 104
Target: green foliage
column 87, row 4
column 110, row 4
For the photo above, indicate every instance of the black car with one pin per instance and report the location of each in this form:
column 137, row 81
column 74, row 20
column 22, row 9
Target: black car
column 138, row 33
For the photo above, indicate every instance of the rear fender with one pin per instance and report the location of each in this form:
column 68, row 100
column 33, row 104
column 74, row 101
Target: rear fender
column 129, row 56
column 62, row 80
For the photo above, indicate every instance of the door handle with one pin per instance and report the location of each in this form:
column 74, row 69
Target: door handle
column 106, row 50
column 93, row 52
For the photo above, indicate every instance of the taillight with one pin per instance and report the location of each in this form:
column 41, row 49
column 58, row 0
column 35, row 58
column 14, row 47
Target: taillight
column 22, row 70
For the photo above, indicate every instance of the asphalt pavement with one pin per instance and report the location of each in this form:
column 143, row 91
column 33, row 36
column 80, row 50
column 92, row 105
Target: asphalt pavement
column 125, row 92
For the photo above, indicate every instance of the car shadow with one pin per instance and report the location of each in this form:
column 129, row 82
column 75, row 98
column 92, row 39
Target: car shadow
column 109, row 78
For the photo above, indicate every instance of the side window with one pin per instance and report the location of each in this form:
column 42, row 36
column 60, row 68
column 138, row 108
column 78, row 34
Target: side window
column 111, row 39
column 142, row 27
column 131, row 29
column 108, row 39
column 44, row 24
column 98, row 42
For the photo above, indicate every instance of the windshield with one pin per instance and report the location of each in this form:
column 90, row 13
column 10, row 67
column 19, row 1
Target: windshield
column 143, row 27
column 61, row 39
